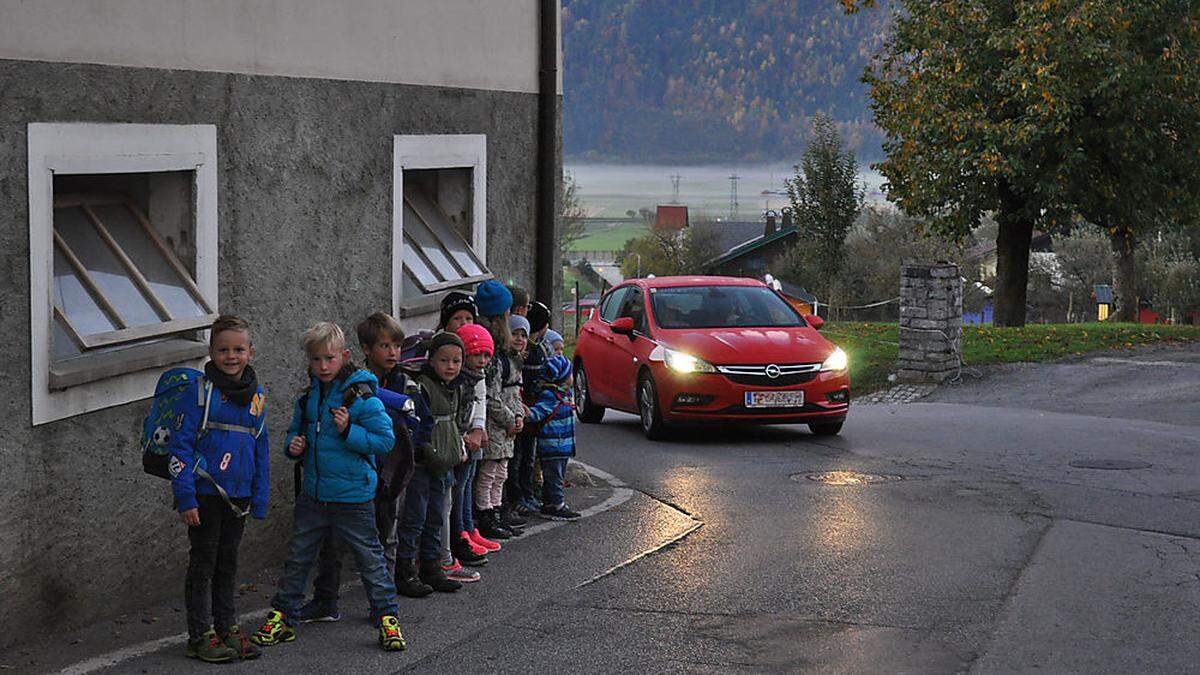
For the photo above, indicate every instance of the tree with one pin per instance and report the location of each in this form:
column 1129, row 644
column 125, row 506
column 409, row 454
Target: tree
column 825, row 196
column 573, row 214
column 668, row 252
column 1085, row 261
column 1038, row 109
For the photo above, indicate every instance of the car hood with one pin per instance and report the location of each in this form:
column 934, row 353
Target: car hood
column 733, row 346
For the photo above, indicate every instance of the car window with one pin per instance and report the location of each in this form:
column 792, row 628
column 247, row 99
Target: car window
column 721, row 307
column 634, row 307
column 612, row 303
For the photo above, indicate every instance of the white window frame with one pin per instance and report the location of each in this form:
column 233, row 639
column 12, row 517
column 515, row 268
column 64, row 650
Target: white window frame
column 83, row 148
column 437, row 151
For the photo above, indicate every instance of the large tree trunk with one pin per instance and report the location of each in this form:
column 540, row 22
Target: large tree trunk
column 1012, row 269
column 1125, row 284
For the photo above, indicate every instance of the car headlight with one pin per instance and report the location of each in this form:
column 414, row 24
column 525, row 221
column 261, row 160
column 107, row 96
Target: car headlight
column 686, row 363
column 837, row 360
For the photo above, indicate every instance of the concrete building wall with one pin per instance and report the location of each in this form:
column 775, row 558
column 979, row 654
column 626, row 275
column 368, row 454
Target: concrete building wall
column 476, row 44
column 305, row 232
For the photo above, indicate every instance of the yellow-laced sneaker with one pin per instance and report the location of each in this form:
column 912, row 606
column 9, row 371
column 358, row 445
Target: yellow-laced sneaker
column 390, row 637
column 273, row 631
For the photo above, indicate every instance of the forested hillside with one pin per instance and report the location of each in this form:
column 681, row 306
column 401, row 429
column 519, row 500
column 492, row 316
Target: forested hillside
column 712, row 80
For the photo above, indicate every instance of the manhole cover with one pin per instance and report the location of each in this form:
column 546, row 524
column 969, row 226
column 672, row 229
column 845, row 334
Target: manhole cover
column 1110, row 464
column 845, row 477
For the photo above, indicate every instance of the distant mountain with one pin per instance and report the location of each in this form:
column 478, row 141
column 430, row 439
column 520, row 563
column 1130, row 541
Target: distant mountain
column 713, row 80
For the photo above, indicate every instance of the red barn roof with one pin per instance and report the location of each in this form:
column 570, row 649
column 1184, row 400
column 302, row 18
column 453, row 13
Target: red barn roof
column 671, row 217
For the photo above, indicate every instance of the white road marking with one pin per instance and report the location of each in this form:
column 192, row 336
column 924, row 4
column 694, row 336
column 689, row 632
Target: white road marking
column 1135, row 362
column 621, row 494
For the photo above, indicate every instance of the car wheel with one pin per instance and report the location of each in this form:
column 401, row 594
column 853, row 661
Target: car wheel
column 653, row 425
column 825, row 428
column 587, row 411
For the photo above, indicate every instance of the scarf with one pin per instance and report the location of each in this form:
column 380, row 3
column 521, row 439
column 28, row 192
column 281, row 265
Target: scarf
column 239, row 391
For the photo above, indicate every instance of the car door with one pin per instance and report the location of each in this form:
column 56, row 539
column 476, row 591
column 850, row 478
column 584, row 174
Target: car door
column 601, row 349
column 631, row 350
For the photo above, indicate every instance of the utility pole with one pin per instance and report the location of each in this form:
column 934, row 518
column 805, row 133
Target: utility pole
column 675, row 188
column 733, row 198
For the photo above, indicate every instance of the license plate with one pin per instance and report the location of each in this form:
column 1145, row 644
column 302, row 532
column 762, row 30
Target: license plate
column 775, row 399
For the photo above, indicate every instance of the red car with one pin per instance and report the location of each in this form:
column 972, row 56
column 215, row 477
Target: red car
column 677, row 350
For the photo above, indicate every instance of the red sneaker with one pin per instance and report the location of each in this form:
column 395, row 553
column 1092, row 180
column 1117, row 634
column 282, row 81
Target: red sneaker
column 475, row 548
column 480, row 541
column 452, row 568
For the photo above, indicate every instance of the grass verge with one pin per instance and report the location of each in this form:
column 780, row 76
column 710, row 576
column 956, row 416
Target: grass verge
column 873, row 347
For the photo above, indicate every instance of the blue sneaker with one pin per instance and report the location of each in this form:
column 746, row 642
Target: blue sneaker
column 314, row 612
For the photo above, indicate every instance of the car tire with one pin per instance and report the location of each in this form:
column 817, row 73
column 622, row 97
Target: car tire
column 649, row 411
column 586, row 410
column 826, row 428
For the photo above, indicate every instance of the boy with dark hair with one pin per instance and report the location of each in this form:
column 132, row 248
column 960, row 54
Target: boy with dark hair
column 520, row 300
column 222, row 431
column 380, row 337
column 338, row 427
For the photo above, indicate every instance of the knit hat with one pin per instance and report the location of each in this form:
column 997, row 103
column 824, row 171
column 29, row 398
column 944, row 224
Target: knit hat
column 539, row 317
column 553, row 336
column 453, row 302
column 492, row 298
column 557, row 369
column 476, row 339
column 442, row 339
column 517, row 322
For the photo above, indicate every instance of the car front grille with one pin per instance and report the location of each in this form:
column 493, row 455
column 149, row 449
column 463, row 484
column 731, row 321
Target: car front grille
column 771, row 375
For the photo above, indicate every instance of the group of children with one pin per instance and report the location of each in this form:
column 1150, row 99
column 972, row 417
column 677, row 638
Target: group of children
column 418, row 465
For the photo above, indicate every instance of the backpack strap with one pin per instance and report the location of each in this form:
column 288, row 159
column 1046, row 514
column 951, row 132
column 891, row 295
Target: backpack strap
column 205, row 425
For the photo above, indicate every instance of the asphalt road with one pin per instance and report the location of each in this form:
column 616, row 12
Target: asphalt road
column 979, row 547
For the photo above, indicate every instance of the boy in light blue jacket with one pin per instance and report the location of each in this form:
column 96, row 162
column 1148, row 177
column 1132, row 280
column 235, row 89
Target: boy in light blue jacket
column 338, row 428
column 221, row 430
column 553, row 414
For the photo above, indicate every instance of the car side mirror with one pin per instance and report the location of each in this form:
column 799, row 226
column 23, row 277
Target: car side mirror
column 623, row 326
column 815, row 321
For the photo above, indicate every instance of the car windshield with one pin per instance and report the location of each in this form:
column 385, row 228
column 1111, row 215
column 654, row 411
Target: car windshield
column 721, row 307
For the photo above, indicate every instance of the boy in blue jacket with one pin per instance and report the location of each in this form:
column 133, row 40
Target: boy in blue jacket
column 380, row 337
column 229, row 443
column 554, row 411
column 337, row 429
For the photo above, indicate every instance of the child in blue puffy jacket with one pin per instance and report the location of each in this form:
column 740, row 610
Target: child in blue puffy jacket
column 554, row 415
column 338, row 428
column 221, row 432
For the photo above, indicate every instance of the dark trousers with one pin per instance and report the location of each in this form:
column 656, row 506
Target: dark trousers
column 462, row 507
column 420, row 527
column 329, row 563
column 212, row 566
column 518, row 487
column 354, row 524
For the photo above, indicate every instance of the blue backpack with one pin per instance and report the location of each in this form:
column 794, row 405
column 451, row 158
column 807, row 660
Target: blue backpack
column 166, row 417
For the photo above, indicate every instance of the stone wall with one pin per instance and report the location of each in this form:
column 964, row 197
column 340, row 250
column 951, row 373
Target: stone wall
column 930, row 323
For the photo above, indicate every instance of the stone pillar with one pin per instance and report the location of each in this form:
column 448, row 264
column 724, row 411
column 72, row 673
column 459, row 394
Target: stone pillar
column 930, row 323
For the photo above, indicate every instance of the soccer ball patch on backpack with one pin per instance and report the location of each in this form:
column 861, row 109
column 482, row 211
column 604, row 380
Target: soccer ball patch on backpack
column 165, row 418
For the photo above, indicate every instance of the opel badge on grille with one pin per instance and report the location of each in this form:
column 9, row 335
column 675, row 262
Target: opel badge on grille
column 773, row 371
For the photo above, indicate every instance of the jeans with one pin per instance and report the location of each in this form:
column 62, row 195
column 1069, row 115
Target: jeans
column 212, row 565
column 354, row 524
column 420, row 527
column 329, row 564
column 519, row 485
column 462, row 511
column 553, row 473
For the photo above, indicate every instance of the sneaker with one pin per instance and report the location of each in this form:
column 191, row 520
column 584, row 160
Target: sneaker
column 510, row 519
column 273, row 631
column 475, row 548
column 315, row 611
column 210, row 649
column 457, row 572
column 558, row 513
column 463, row 549
column 390, row 637
column 486, row 543
column 236, row 640
column 433, row 575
